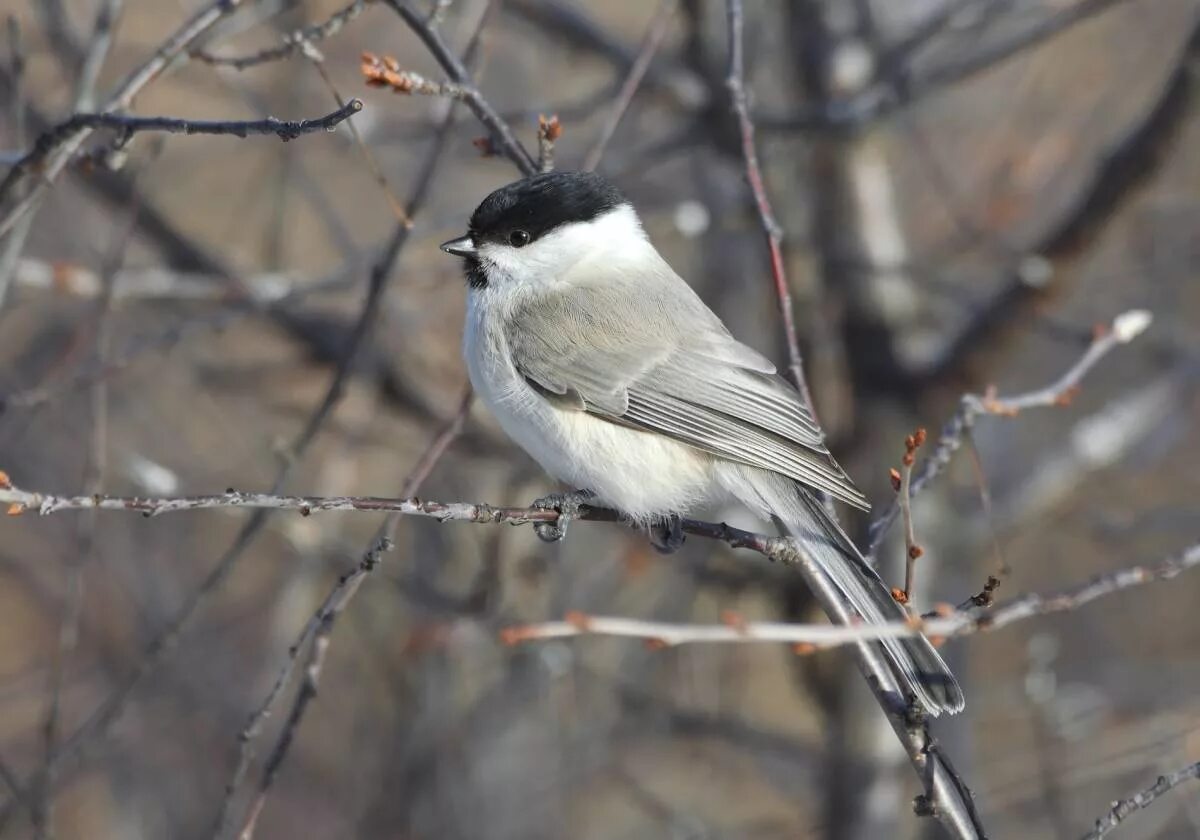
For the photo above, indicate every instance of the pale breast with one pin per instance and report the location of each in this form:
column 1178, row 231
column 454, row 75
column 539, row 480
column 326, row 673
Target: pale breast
column 640, row 473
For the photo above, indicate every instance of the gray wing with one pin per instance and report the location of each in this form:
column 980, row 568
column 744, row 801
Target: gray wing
column 665, row 363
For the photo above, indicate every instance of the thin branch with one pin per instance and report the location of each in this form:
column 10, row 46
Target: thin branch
column 502, row 135
column 76, row 280
column 322, row 623
column 98, row 48
column 912, row 551
column 1124, row 329
column 320, row 626
column 655, row 33
column 808, row 637
column 163, row 57
column 294, row 42
column 95, row 472
column 285, row 130
column 1123, row 808
column 774, row 234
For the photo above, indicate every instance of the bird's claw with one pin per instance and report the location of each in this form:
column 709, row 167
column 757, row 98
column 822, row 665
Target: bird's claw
column 567, row 507
column 666, row 534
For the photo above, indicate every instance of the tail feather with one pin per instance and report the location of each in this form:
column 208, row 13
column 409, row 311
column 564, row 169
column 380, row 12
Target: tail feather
column 917, row 665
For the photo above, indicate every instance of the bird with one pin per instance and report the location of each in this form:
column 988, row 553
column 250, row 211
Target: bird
column 608, row 369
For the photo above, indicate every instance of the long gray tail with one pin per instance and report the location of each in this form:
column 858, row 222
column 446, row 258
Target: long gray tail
column 918, row 666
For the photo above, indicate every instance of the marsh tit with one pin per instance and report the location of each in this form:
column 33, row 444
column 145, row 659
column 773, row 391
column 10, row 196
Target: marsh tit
column 605, row 366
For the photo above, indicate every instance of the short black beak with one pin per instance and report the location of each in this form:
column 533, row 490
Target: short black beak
column 464, row 246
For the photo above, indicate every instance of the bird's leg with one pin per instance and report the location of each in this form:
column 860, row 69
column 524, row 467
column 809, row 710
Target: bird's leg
column 567, row 505
column 666, row 533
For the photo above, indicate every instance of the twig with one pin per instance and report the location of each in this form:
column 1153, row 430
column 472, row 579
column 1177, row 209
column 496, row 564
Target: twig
column 293, row 43
column 806, row 638
column 384, row 71
column 737, row 93
column 549, row 130
column 1124, row 329
column 1123, row 808
column 155, row 653
column 902, row 481
column 285, row 130
column 10, row 252
column 502, row 135
column 95, row 470
column 98, row 47
column 320, row 626
column 655, row 32
column 178, row 42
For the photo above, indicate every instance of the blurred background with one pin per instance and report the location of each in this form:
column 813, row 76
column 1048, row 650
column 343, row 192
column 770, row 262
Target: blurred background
column 966, row 188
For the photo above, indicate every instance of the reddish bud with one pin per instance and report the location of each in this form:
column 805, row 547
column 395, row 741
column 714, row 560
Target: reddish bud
column 894, row 475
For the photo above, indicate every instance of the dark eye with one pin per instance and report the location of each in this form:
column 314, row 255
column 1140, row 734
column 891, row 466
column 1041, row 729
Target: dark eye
column 519, row 238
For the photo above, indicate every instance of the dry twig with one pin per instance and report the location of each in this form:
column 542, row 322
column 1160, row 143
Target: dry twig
column 946, row 623
column 655, row 32
column 178, row 42
column 299, row 41
column 127, row 125
column 1123, row 808
column 1124, row 329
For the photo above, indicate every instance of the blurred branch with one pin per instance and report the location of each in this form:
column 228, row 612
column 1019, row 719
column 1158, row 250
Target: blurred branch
column 319, row 629
column 735, row 82
column 95, row 472
column 1124, row 328
column 75, row 280
column 655, row 32
column 176, row 43
column 107, row 15
column 503, row 136
column 1123, row 808
column 947, row 623
column 294, row 42
column 569, row 24
column 126, row 125
column 1125, row 167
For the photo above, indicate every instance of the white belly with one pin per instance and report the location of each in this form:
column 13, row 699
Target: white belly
column 638, row 473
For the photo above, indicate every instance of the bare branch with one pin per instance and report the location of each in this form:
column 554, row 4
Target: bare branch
column 294, row 42
column 1123, row 808
column 741, row 109
column 903, row 477
column 655, row 32
column 503, row 136
column 1124, row 329
column 178, row 42
column 808, row 637
column 61, row 134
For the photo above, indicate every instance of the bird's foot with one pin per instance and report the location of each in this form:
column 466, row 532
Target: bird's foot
column 666, row 533
column 567, row 507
